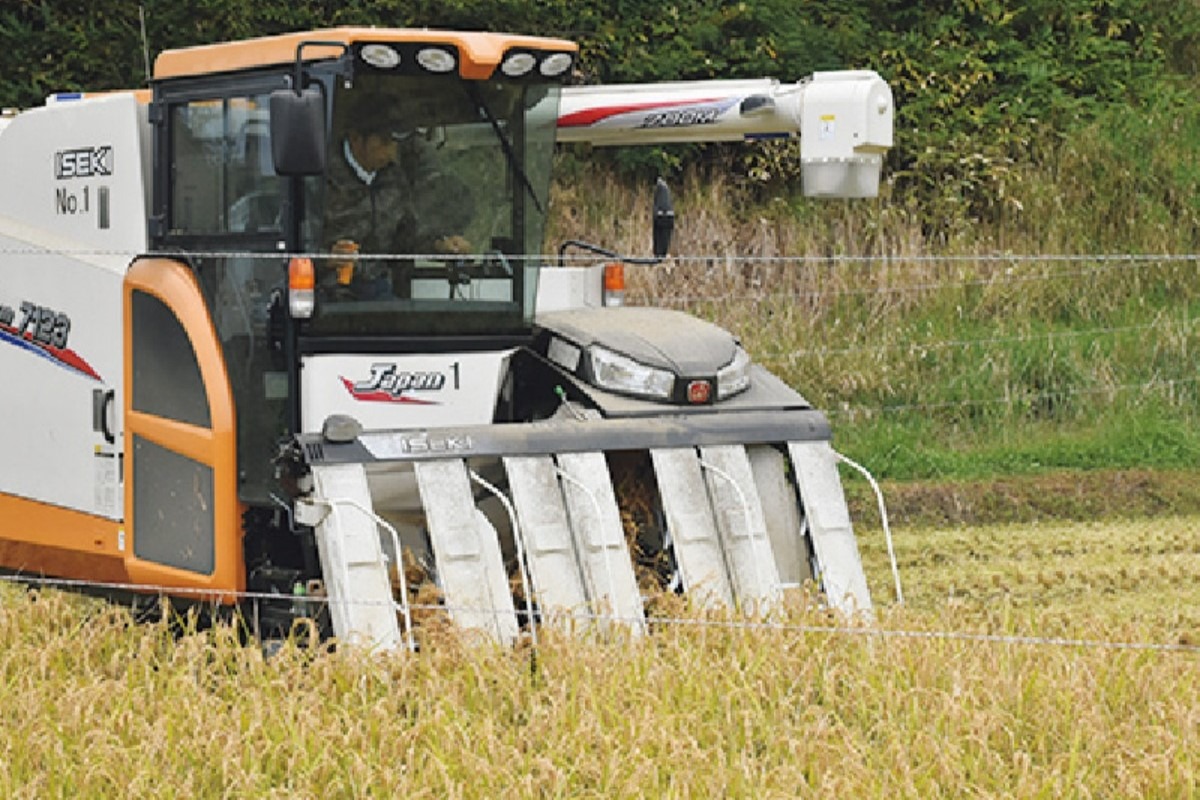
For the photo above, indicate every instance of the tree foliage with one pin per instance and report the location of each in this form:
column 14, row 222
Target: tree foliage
column 983, row 87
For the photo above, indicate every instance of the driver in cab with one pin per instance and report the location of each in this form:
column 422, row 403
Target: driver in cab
column 386, row 196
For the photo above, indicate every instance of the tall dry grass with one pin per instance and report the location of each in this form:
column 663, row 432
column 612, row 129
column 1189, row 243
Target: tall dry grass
column 94, row 706
column 1059, row 326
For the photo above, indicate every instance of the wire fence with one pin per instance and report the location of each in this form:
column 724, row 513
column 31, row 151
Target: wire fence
column 1105, row 260
column 866, row 337
column 838, row 357
column 724, row 287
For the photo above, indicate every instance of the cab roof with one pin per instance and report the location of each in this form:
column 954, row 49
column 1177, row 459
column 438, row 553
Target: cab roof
column 478, row 53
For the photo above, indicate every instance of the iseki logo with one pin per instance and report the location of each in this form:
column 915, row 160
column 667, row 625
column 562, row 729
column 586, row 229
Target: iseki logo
column 83, row 162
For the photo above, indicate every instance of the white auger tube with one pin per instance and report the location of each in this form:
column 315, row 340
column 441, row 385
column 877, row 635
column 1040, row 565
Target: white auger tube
column 844, row 121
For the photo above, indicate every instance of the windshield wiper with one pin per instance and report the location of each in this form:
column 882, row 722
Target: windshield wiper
column 505, row 144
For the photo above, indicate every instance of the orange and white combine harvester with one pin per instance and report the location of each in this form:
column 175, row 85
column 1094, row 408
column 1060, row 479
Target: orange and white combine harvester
column 222, row 383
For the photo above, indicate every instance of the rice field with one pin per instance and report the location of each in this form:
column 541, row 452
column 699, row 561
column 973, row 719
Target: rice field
column 1030, row 660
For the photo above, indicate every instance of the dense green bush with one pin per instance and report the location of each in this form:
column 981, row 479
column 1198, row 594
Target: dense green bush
column 984, row 88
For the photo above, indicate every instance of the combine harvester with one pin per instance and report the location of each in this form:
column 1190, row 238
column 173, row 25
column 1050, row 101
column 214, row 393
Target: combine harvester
column 245, row 359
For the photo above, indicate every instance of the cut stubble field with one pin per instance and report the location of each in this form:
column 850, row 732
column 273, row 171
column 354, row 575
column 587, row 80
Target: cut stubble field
column 1052, row 659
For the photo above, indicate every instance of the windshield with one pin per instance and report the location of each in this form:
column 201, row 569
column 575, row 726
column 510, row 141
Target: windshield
column 435, row 190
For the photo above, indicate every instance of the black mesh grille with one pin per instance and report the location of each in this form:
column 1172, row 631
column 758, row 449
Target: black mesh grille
column 173, row 521
column 166, row 375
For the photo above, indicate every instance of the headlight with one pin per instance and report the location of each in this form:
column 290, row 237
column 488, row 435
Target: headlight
column 435, row 59
column 518, row 64
column 620, row 374
column 555, row 64
column 380, row 55
column 735, row 376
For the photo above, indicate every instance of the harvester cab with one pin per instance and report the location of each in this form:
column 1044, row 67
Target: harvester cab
column 287, row 337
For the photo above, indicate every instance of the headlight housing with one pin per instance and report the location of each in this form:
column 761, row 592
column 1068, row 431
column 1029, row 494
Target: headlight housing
column 619, row 373
column 734, row 377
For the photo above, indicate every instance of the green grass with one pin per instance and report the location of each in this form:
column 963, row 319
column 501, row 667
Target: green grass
column 921, row 449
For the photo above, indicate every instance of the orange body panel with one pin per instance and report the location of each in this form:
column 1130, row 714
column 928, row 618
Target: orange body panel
column 41, row 539
column 175, row 285
column 479, row 53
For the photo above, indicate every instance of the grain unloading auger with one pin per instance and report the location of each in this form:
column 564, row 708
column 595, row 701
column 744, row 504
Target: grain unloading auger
column 338, row 368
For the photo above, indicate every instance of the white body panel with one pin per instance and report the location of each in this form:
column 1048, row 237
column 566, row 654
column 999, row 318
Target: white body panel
column 390, row 392
column 72, row 217
column 564, row 288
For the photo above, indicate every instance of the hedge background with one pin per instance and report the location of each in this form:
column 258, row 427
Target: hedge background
column 982, row 87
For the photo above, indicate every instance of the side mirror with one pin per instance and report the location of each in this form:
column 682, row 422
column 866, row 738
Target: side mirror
column 298, row 131
column 664, row 219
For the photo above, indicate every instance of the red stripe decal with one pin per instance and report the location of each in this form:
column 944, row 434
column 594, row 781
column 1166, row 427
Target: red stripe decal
column 590, row 116
column 63, row 356
column 380, row 396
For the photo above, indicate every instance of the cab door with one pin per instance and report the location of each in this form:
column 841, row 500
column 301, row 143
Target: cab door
column 181, row 502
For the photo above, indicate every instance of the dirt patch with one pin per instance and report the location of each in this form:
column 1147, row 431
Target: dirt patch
column 1054, row 496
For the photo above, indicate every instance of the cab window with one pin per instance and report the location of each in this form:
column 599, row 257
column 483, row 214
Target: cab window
column 224, row 181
